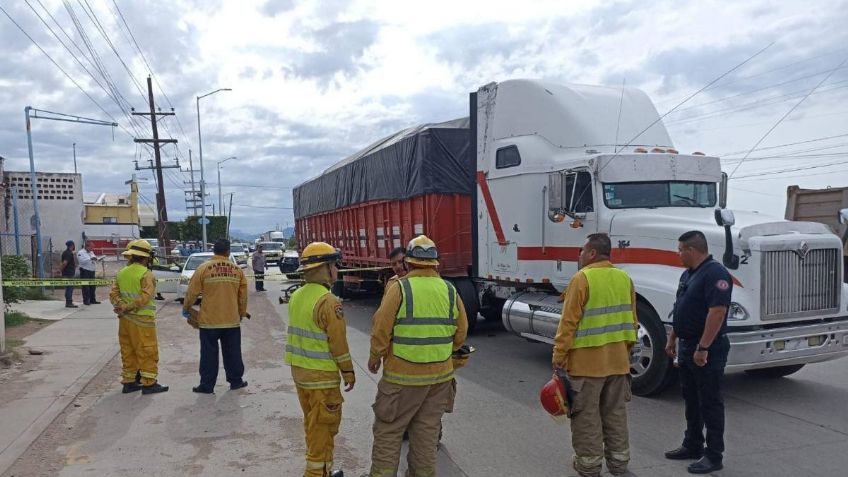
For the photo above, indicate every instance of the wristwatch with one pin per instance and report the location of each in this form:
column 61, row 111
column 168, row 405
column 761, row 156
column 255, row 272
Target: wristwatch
column 702, row 348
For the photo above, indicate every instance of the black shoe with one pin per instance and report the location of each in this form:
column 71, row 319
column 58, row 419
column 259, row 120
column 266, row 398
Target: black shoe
column 240, row 385
column 131, row 388
column 154, row 389
column 86, row 303
column 337, row 473
column 95, row 302
column 202, row 390
column 70, row 305
column 704, row 466
column 684, row 453
column 159, row 297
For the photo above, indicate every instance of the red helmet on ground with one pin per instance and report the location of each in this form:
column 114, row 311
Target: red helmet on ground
column 555, row 396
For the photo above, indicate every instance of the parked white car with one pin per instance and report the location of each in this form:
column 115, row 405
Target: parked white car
column 240, row 252
column 194, row 261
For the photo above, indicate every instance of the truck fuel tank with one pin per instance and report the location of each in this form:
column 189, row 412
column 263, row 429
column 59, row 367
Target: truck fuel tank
column 533, row 315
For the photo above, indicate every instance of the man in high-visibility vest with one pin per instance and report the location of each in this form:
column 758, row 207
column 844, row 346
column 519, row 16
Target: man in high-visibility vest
column 420, row 323
column 132, row 299
column 593, row 341
column 318, row 354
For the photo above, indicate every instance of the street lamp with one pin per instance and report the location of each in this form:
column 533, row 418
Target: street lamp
column 203, row 220
column 220, row 200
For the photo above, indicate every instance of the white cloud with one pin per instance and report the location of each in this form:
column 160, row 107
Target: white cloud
column 313, row 81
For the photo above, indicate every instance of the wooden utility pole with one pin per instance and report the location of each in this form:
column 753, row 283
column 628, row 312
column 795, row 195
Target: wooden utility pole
column 161, row 209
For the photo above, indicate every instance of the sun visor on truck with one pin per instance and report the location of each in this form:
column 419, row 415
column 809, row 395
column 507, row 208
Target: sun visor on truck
column 427, row 159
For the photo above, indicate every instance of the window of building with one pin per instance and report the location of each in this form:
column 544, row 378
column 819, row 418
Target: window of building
column 110, row 220
column 507, row 157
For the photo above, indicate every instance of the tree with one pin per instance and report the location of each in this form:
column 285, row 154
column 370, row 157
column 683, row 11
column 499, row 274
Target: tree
column 192, row 230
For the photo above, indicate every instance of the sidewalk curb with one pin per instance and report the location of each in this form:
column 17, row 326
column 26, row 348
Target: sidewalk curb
column 10, row 454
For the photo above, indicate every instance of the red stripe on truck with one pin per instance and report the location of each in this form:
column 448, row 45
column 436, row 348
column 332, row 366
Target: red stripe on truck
column 490, row 207
column 643, row 256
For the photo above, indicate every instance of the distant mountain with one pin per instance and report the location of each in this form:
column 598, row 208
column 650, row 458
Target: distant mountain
column 288, row 232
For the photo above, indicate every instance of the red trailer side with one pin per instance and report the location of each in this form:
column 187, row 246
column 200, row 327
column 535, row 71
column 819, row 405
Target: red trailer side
column 367, row 232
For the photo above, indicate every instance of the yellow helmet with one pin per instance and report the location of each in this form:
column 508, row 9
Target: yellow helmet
column 317, row 254
column 140, row 248
column 422, row 251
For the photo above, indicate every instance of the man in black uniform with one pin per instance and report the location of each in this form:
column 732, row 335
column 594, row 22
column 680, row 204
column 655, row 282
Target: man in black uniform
column 700, row 324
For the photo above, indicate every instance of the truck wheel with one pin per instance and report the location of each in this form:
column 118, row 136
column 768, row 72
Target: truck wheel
column 650, row 368
column 468, row 293
column 776, row 372
column 493, row 310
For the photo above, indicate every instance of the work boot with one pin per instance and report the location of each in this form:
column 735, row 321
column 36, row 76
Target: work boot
column 202, row 390
column 95, row 302
column 154, row 388
column 240, row 385
column 70, row 305
column 131, row 388
column 704, row 466
column 684, row 453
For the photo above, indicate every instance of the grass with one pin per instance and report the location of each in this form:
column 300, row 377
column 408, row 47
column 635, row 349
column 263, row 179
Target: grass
column 15, row 318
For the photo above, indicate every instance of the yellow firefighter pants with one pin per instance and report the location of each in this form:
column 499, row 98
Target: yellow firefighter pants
column 417, row 409
column 322, row 414
column 139, row 352
column 599, row 423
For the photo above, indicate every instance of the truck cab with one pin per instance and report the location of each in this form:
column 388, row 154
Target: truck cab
column 592, row 159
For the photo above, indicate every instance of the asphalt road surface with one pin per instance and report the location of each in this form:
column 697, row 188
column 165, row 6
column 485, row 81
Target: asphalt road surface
column 790, row 426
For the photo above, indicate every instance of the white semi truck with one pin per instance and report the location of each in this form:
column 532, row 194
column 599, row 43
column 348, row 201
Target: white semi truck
column 510, row 195
column 558, row 162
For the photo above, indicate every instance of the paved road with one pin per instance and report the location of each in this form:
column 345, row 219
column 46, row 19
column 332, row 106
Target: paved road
column 792, row 426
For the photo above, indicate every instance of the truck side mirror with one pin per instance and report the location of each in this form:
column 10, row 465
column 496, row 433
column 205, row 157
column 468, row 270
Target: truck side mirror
column 724, row 217
column 843, row 216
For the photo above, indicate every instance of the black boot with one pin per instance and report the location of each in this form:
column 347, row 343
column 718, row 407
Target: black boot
column 154, row 389
column 240, row 385
column 683, row 453
column 704, row 466
column 202, row 390
column 337, row 473
column 131, row 388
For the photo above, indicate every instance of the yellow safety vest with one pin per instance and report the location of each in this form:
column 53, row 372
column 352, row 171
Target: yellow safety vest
column 426, row 320
column 608, row 315
column 307, row 345
column 129, row 282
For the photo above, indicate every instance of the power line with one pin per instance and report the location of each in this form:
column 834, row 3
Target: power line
column 785, row 115
column 262, row 207
column 794, row 169
column 99, row 106
column 779, row 146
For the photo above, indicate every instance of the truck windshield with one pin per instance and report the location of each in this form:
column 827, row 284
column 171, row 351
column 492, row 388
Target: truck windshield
column 271, row 246
column 659, row 194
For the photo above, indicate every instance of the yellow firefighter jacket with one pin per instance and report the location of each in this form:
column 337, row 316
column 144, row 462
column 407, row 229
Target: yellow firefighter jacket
column 223, row 287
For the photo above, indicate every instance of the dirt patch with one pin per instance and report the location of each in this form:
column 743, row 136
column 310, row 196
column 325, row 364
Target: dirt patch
column 22, row 331
column 17, row 363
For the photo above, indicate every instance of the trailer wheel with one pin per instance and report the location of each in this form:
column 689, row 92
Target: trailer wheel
column 468, row 292
column 776, row 372
column 650, row 368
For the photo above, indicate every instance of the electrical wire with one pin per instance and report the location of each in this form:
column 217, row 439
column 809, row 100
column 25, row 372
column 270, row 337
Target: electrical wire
column 780, row 146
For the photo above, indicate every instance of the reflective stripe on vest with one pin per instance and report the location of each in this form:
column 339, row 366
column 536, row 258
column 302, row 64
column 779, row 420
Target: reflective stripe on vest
column 129, row 283
column 308, row 346
column 608, row 315
column 426, row 320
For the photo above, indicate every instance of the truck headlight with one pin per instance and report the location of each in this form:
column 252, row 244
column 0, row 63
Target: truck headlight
column 737, row 312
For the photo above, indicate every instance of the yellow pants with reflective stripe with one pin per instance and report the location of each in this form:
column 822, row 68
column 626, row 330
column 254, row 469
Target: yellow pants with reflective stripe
column 322, row 414
column 139, row 352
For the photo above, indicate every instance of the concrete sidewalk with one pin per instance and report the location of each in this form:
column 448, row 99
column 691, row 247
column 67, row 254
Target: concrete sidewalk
column 75, row 350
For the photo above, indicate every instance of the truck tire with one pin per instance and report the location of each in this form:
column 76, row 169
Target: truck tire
column 776, row 372
column 493, row 310
column 468, row 293
column 650, row 367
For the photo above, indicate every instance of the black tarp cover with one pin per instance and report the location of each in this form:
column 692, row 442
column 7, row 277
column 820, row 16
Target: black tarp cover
column 426, row 159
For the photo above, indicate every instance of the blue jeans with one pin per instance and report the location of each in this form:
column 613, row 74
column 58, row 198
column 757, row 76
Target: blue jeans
column 69, row 291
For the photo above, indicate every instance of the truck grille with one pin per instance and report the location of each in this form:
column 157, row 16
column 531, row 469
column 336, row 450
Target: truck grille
column 794, row 287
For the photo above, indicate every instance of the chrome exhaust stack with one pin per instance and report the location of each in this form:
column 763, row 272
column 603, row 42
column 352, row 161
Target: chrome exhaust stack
column 533, row 315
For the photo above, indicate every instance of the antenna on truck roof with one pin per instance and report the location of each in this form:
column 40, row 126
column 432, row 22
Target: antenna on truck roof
column 696, row 93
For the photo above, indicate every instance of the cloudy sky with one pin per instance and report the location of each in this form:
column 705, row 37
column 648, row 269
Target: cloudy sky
column 313, row 81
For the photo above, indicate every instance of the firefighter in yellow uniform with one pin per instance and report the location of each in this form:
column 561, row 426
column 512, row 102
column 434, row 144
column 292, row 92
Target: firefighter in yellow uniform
column 593, row 341
column 420, row 323
column 132, row 299
column 318, row 354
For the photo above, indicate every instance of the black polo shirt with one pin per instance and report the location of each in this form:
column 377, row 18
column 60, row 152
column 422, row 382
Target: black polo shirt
column 69, row 269
column 700, row 289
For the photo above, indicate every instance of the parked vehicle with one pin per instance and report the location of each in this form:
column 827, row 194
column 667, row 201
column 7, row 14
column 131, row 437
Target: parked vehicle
column 273, row 251
column 240, row 252
column 827, row 206
column 288, row 263
column 510, row 196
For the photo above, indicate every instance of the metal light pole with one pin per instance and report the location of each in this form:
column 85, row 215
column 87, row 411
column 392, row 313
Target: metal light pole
column 220, row 200
column 32, row 113
column 203, row 220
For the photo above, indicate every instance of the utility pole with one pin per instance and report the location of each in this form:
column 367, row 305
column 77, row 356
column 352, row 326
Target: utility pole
column 162, row 211
column 192, row 196
column 75, row 158
column 229, row 216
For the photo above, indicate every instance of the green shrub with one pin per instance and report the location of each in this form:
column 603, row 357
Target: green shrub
column 15, row 266
column 14, row 318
